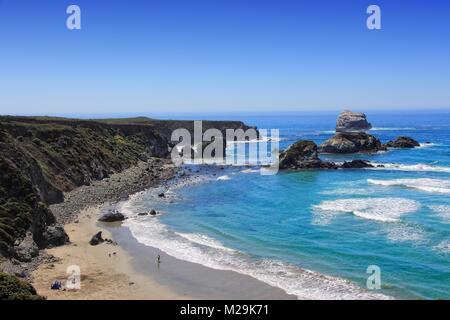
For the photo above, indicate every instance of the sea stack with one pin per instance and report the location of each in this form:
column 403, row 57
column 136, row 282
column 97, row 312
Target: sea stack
column 351, row 136
column 349, row 121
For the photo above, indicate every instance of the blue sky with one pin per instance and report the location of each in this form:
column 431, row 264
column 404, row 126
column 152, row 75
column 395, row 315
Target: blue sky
column 222, row 56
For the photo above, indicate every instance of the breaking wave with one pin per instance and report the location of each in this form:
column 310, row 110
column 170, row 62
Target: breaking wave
column 391, row 129
column 411, row 167
column 422, row 184
column 379, row 209
column 200, row 249
column 223, row 178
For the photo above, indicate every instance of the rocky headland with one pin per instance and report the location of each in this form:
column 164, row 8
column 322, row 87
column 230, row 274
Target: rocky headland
column 54, row 167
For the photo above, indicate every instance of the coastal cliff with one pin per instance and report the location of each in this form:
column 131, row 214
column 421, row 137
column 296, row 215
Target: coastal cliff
column 41, row 158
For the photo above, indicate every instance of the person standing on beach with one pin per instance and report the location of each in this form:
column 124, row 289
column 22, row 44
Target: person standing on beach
column 159, row 260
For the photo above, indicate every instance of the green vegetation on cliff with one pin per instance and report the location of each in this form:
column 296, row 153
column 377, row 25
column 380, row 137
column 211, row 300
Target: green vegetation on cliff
column 42, row 157
column 12, row 288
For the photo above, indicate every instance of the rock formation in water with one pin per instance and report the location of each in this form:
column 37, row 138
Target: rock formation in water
column 349, row 121
column 402, row 142
column 351, row 137
column 356, row 164
column 351, row 142
column 303, row 155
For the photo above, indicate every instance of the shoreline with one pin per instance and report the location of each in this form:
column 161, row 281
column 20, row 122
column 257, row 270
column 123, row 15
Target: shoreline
column 133, row 269
column 102, row 276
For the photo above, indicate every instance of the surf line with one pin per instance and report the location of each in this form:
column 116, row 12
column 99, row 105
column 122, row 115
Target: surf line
column 193, row 310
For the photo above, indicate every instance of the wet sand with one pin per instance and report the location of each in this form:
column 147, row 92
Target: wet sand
column 102, row 277
column 193, row 280
column 133, row 272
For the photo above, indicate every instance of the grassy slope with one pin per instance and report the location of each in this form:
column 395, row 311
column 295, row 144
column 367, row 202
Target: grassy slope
column 41, row 157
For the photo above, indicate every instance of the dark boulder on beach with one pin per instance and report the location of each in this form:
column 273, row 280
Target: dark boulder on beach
column 96, row 239
column 303, row 155
column 356, row 164
column 55, row 236
column 349, row 121
column 351, row 142
column 151, row 213
column 112, row 217
column 402, row 142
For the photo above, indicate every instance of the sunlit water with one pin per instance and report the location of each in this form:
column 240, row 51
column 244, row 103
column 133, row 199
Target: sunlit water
column 315, row 233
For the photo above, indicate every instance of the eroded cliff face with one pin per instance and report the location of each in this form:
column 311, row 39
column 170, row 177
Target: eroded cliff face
column 22, row 209
column 41, row 158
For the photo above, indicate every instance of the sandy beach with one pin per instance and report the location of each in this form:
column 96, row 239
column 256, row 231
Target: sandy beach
column 102, row 276
column 133, row 274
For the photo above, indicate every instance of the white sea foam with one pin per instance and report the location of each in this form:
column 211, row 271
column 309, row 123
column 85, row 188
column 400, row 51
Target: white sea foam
column 327, row 132
column 250, row 171
column 204, row 240
column 406, row 233
column 423, row 184
column 203, row 250
column 411, row 167
column 380, row 209
column 442, row 211
column 391, row 129
column 225, row 177
column 428, row 145
column 443, row 247
column 260, row 140
column 346, row 191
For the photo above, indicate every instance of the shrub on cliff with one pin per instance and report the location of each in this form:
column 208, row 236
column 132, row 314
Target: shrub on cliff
column 12, row 288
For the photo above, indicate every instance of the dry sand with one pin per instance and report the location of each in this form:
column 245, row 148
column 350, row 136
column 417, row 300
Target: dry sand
column 102, row 277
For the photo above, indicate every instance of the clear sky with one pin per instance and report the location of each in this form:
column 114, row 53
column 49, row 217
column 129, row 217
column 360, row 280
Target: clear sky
column 222, row 56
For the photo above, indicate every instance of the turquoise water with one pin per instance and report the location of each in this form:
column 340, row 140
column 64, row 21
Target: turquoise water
column 335, row 222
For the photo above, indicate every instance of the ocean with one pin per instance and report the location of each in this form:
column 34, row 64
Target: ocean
column 314, row 234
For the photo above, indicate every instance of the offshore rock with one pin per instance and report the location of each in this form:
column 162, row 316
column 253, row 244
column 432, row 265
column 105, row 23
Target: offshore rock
column 351, row 142
column 349, row 121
